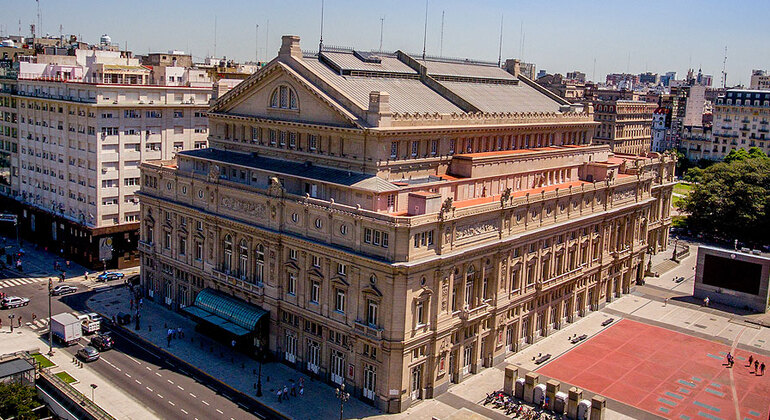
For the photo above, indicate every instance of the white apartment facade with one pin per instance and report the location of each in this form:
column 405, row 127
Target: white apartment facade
column 741, row 120
column 85, row 125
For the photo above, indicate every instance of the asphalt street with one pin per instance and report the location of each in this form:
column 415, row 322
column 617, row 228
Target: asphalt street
column 165, row 389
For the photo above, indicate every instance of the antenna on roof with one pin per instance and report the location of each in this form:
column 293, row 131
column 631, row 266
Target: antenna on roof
column 382, row 25
column 39, row 19
column 724, row 70
column 425, row 31
column 256, row 44
column 215, row 35
column 441, row 42
column 267, row 38
column 500, row 49
column 321, row 42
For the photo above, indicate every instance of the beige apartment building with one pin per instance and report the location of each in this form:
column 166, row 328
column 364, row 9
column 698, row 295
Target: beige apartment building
column 85, row 122
column 396, row 223
column 741, row 121
column 626, row 126
column 9, row 156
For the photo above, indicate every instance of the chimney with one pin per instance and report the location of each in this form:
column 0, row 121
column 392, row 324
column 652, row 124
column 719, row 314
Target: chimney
column 290, row 46
column 513, row 66
column 379, row 113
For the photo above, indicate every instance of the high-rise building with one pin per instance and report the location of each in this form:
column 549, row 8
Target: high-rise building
column 394, row 223
column 760, row 80
column 85, row 122
column 626, row 126
column 9, row 126
column 741, row 120
column 661, row 130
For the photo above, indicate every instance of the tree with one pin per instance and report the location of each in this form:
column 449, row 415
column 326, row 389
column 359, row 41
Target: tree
column 693, row 175
column 17, row 399
column 732, row 199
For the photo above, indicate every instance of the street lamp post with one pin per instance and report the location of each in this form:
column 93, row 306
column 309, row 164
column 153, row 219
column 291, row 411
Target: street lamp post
column 11, row 317
column 259, row 376
column 50, row 331
column 93, row 387
column 676, row 244
column 342, row 396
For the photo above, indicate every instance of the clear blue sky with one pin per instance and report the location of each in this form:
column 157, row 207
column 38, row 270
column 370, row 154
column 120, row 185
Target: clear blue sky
column 560, row 35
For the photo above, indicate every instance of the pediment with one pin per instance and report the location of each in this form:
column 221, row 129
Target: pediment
column 313, row 105
column 371, row 290
column 292, row 265
column 315, row 272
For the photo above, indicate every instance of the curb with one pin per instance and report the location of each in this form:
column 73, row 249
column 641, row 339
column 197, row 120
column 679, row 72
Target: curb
column 271, row 412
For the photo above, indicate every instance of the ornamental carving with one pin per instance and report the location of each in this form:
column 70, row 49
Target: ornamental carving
column 241, row 206
column 624, row 194
column 474, row 230
column 444, row 294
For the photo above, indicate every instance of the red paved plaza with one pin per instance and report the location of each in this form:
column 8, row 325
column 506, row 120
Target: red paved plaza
column 664, row 372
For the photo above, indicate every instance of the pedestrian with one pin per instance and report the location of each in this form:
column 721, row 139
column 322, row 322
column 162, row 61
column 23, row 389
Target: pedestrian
column 140, row 302
column 706, row 302
column 286, row 392
column 20, row 324
column 301, row 390
column 301, row 382
column 666, row 302
column 293, row 390
column 762, row 368
column 68, row 264
column 280, row 391
column 168, row 338
column 34, row 317
column 232, row 343
column 86, row 275
column 179, row 332
column 131, row 304
column 173, row 332
column 756, row 362
column 751, row 360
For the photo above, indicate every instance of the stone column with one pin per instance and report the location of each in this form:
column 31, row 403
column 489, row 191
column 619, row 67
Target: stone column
column 598, row 404
column 575, row 395
column 530, row 382
column 551, row 388
column 509, row 384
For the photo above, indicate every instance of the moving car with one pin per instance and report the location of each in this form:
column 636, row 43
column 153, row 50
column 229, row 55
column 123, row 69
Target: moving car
column 109, row 275
column 63, row 289
column 14, row 302
column 102, row 342
column 88, row 354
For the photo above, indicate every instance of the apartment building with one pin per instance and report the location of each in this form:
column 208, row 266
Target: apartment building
column 9, row 156
column 741, row 120
column 626, row 126
column 760, row 80
column 394, row 223
column 85, row 122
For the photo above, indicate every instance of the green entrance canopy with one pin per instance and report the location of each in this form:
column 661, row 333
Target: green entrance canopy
column 226, row 312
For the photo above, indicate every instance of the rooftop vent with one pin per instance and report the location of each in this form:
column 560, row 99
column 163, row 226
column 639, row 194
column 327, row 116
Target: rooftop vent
column 368, row 57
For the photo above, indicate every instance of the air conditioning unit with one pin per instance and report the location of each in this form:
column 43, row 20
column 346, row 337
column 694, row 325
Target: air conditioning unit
column 104, row 170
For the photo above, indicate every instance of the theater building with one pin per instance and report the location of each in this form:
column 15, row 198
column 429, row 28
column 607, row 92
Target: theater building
column 397, row 223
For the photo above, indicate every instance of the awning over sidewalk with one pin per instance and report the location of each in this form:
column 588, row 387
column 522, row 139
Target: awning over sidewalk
column 226, row 312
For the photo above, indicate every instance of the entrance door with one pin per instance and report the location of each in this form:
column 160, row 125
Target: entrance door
column 370, row 380
column 525, row 330
column 291, row 347
column 337, row 367
column 453, row 366
column 313, row 351
column 467, row 359
column 509, row 338
column 416, row 382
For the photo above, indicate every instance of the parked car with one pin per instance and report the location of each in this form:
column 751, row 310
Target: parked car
column 93, row 316
column 102, row 342
column 88, row 354
column 63, row 289
column 14, row 302
column 109, row 275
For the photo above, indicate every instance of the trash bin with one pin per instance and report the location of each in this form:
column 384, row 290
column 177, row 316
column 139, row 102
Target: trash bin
column 519, row 389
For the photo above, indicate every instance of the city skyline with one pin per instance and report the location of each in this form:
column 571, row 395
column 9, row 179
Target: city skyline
column 555, row 36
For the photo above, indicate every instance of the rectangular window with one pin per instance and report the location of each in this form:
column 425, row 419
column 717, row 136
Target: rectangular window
column 376, row 237
column 419, row 313
column 415, row 148
column 315, row 291
column 339, row 302
column 293, row 254
column 199, row 251
column 371, row 313
column 271, row 135
column 316, row 261
column 178, row 114
column 167, row 240
column 292, row 140
column 291, row 285
column 182, row 246
column 342, row 269
column 430, row 237
column 282, row 138
column 393, row 149
column 384, row 240
column 452, row 146
column 312, row 141
column 433, row 147
column 367, row 235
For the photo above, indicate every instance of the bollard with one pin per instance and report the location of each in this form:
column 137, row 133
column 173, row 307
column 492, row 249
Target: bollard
column 509, row 383
column 575, row 395
column 598, row 404
column 530, row 382
column 551, row 388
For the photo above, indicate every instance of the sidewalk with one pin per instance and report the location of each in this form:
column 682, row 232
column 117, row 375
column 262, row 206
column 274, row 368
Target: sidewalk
column 233, row 368
column 109, row 396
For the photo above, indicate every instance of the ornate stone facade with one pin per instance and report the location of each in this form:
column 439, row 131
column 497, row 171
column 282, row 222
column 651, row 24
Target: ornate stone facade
column 399, row 254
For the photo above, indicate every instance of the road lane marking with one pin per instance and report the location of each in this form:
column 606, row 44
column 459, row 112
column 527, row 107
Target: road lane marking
column 127, row 375
column 219, row 411
column 148, row 388
column 157, row 373
column 193, row 395
column 147, row 367
column 137, row 362
column 137, row 381
column 159, row 396
column 180, row 387
column 183, row 410
column 171, row 403
column 170, row 381
column 119, row 369
column 204, row 402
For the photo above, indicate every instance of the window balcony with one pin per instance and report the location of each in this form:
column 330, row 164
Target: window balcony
column 366, row 330
column 470, row 315
column 147, row 247
column 231, row 280
column 744, row 128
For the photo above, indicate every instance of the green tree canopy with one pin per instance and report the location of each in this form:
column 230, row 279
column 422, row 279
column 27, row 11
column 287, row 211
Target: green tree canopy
column 18, row 400
column 732, row 199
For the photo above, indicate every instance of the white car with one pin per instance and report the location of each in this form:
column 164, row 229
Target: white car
column 63, row 289
column 14, row 302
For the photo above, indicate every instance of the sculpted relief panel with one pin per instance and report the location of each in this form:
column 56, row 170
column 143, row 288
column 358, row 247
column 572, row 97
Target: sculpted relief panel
column 475, row 229
column 241, row 208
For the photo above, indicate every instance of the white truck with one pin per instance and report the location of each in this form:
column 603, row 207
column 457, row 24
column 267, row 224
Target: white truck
column 90, row 323
column 66, row 328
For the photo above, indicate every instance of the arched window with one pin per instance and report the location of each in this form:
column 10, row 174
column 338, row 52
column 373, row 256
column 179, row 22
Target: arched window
column 227, row 262
column 259, row 266
column 284, row 97
column 470, row 278
column 243, row 259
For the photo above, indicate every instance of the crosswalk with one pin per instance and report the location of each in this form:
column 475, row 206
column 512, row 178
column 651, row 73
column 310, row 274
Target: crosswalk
column 21, row 281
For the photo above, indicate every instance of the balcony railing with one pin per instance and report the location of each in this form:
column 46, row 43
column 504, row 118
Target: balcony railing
column 471, row 314
column 145, row 246
column 242, row 283
column 366, row 330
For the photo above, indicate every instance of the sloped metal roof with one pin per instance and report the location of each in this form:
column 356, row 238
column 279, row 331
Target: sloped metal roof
column 472, row 70
column 502, row 97
column 348, row 61
column 296, row 169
